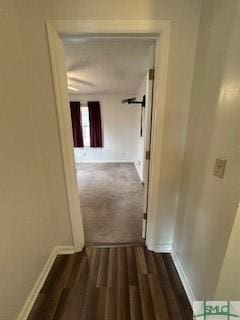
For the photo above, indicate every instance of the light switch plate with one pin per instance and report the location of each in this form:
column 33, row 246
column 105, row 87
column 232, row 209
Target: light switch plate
column 219, row 168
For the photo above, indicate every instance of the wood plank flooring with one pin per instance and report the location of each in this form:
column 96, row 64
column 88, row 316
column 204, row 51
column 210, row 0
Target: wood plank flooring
column 116, row 283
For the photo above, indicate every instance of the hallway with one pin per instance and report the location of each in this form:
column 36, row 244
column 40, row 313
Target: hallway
column 116, row 283
column 111, row 200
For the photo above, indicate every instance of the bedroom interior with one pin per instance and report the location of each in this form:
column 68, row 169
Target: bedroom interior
column 107, row 83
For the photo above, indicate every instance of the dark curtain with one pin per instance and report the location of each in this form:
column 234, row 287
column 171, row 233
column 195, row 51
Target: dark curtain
column 76, row 124
column 95, row 124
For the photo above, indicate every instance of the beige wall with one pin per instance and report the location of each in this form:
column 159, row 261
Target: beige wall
column 208, row 204
column 33, row 204
column 33, row 196
column 229, row 281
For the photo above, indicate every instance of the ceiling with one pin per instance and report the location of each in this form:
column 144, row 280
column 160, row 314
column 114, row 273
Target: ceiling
column 106, row 66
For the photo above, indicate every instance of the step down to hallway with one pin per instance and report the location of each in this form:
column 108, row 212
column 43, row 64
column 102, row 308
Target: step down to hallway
column 114, row 283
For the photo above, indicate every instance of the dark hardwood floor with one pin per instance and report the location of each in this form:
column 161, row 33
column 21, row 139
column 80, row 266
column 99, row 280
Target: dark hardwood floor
column 116, row 283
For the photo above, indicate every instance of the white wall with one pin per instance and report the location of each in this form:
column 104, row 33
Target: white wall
column 34, row 209
column 208, row 205
column 119, row 127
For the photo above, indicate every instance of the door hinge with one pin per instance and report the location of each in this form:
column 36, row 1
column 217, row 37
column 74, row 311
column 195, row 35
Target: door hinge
column 151, row 74
column 145, row 216
column 147, row 155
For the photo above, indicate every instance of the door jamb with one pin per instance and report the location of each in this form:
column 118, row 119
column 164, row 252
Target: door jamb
column 160, row 29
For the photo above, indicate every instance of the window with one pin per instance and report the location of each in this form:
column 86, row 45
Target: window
column 85, row 126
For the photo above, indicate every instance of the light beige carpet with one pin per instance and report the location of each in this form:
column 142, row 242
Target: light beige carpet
column 111, row 199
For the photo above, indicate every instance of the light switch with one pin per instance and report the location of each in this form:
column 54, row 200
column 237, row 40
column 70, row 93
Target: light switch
column 219, row 167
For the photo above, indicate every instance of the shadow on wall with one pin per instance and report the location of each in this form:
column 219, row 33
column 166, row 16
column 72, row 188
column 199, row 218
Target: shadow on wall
column 201, row 212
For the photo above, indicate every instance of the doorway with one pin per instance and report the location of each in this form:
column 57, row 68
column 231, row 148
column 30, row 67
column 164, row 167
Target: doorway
column 110, row 100
column 147, row 28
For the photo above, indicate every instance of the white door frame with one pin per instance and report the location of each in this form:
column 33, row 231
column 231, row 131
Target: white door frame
column 160, row 29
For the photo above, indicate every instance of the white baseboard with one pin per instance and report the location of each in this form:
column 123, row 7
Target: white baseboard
column 159, row 247
column 168, row 248
column 27, row 307
column 183, row 277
